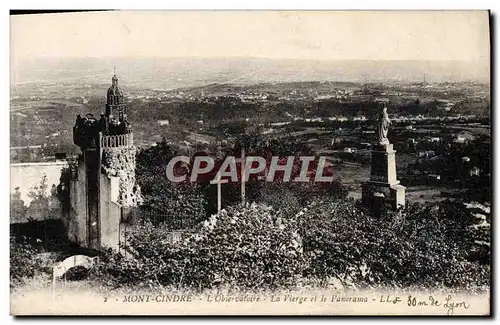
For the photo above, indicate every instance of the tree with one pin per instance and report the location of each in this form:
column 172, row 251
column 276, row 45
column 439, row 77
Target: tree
column 184, row 201
column 17, row 207
column 39, row 207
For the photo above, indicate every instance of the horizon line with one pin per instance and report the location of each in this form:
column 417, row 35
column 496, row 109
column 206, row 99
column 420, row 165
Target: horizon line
column 234, row 57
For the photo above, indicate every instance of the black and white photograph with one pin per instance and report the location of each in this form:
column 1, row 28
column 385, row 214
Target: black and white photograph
column 239, row 162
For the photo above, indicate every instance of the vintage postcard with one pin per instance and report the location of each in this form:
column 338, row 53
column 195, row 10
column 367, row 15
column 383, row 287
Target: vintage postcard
column 250, row 163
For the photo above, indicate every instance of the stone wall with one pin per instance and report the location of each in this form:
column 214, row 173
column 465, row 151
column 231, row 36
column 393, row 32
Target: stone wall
column 110, row 212
column 76, row 218
column 120, row 162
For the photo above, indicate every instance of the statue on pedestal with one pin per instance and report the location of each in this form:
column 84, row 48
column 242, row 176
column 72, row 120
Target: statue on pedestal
column 383, row 126
column 383, row 188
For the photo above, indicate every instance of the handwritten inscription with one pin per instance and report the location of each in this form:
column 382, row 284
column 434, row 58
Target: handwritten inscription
column 448, row 304
column 451, row 305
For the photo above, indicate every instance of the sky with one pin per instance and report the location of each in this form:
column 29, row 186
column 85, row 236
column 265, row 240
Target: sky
column 318, row 35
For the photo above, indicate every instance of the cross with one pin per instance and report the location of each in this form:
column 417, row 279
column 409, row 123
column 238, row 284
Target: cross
column 114, row 70
column 219, row 181
column 243, row 180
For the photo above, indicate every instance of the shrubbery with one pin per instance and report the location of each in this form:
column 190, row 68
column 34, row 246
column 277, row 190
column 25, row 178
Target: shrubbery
column 243, row 247
column 255, row 246
column 328, row 242
column 289, row 198
column 420, row 245
column 23, row 263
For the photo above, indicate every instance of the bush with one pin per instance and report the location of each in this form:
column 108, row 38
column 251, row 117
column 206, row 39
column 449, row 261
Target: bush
column 255, row 246
column 23, row 263
column 281, row 197
column 420, row 245
column 289, row 198
column 242, row 247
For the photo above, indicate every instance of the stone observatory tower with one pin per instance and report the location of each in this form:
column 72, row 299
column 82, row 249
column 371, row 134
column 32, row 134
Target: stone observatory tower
column 101, row 184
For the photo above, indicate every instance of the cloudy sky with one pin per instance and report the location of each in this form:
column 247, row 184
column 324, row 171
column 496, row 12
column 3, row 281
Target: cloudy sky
column 320, row 35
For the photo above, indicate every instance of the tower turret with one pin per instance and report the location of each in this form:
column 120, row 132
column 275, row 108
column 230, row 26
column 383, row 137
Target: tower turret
column 115, row 94
column 116, row 111
column 89, row 133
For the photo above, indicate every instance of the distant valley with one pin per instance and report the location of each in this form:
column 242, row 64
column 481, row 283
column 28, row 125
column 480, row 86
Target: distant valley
column 171, row 73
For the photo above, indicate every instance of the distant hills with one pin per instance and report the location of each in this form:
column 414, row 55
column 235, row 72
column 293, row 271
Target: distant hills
column 171, row 73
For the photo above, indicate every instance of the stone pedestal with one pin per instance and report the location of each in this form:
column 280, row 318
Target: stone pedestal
column 383, row 181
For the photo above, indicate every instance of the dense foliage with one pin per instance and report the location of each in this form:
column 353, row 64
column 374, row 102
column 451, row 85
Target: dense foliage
column 241, row 247
column 173, row 201
column 23, row 263
column 324, row 243
column 427, row 246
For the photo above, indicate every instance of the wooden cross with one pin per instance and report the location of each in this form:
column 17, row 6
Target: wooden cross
column 243, row 180
column 219, row 181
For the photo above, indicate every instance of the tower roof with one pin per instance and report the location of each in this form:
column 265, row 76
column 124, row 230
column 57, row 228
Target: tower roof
column 114, row 90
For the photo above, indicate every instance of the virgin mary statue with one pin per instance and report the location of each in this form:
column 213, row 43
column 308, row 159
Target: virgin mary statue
column 383, row 126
